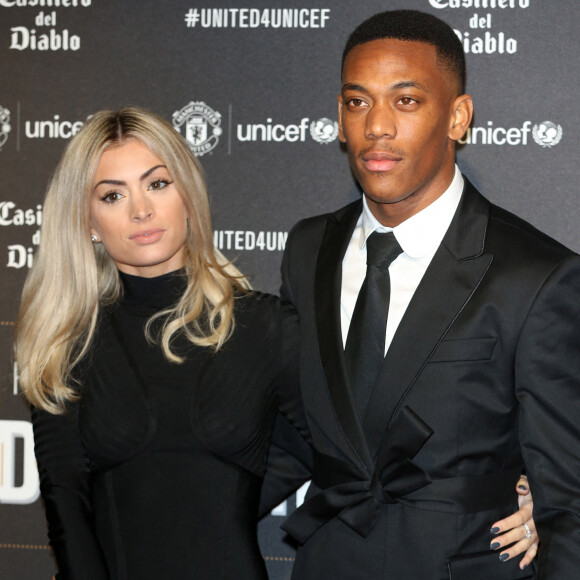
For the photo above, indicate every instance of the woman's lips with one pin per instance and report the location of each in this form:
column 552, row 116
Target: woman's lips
column 147, row 236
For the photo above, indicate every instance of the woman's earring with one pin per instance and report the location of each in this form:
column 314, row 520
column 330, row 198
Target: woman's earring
column 94, row 238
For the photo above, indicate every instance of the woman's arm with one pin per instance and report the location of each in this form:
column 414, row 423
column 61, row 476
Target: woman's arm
column 290, row 456
column 65, row 487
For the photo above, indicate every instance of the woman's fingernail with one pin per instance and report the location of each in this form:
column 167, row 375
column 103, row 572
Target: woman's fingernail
column 522, row 487
column 503, row 557
column 524, row 566
column 494, row 530
column 495, row 546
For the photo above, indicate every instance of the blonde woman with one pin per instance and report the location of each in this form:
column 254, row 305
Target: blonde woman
column 153, row 371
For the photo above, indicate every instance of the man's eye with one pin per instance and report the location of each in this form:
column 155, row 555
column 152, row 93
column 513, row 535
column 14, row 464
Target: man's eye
column 356, row 103
column 407, row 101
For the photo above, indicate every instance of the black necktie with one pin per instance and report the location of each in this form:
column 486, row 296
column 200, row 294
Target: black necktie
column 365, row 343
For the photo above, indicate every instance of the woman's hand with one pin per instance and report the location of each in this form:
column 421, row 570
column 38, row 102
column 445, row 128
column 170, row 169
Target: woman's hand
column 519, row 530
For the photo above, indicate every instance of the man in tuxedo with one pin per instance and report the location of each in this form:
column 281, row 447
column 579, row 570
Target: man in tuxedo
column 440, row 340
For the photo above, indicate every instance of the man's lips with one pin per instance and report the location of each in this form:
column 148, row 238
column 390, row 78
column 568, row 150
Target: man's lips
column 380, row 160
column 147, row 236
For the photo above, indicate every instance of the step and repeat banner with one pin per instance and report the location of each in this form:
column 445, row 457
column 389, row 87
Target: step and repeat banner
column 252, row 86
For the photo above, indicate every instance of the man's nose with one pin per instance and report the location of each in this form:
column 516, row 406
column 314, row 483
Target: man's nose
column 380, row 122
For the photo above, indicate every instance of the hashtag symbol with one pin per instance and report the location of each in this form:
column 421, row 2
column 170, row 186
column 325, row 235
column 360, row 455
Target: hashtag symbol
column 191, row 18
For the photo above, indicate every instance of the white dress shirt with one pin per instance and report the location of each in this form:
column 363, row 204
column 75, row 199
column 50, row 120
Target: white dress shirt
column 419, row 237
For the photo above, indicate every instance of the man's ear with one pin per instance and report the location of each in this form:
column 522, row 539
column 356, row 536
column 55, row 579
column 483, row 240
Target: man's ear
column 461, row 116
column 341, row 136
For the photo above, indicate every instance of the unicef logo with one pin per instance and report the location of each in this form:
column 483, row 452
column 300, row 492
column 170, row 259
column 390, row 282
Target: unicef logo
column 324, row 130
column 547, row 134
column 4, row 125
column 201, row 124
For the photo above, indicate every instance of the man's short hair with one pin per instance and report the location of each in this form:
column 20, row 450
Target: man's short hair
column 417, row 26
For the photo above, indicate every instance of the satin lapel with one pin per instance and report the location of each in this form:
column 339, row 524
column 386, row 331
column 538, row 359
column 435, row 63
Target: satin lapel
column 451, row 279
column 338, row 232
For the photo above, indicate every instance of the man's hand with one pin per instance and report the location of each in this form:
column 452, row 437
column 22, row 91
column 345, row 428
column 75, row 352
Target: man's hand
column 517, row 534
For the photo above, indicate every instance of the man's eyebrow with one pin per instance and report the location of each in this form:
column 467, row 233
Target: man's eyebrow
column 353, row 87
column 409, row 85
column 396, row 86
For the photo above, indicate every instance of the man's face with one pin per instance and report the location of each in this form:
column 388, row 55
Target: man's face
column 398, row 115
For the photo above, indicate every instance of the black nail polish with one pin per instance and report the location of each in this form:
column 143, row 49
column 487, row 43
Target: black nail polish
column 495, row 546
column 524, row 566
column 503, row 557
column 494, row 530
column 522, row 487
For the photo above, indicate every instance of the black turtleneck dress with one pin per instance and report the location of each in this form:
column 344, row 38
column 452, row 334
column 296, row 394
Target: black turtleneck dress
column 155, row 472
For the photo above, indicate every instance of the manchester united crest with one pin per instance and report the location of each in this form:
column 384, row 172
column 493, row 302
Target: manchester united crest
column 4, row 125
column 200, row 125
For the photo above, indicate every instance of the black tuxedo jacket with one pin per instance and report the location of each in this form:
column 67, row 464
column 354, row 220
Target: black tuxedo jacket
column 482, row 380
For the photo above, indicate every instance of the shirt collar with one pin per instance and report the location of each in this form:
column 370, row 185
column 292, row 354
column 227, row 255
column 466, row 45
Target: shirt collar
column 421, row 234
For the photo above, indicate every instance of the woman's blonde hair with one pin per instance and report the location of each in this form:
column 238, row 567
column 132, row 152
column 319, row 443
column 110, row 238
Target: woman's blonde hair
column 72, row 277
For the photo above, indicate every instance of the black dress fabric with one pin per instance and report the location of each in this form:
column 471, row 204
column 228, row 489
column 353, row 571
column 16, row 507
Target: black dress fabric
column 155, row 472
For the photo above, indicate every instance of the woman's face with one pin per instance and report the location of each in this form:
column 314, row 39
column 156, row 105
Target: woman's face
column 136, row 211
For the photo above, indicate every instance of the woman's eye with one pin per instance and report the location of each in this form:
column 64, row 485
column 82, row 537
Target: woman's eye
column 112, row 197
column 159, row 184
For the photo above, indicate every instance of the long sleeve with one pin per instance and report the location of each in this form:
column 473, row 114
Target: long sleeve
column 286, row 289
column 548, row 389
column 64, row 482
column 289, row 465
column 288, row 381
column 290, row 455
